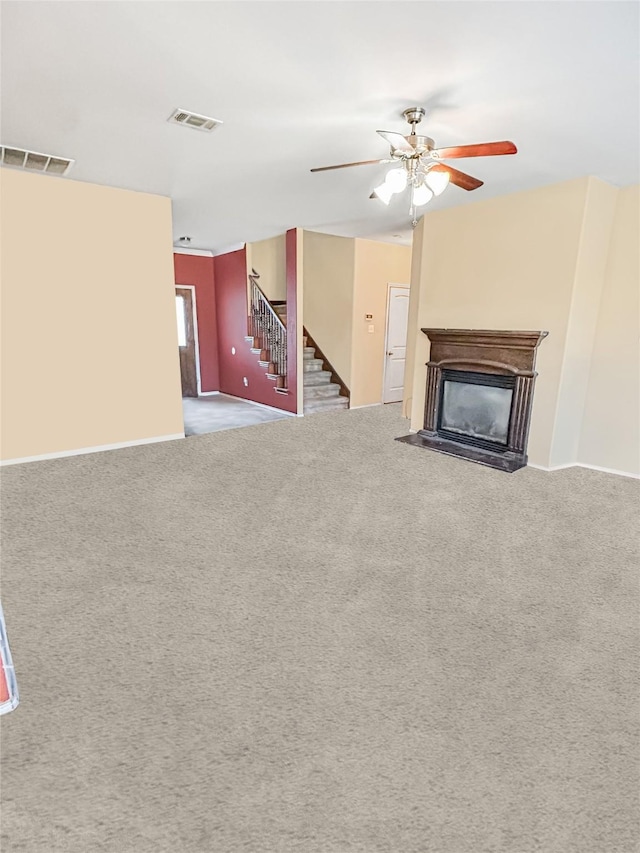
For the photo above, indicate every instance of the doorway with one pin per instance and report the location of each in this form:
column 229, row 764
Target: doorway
column 208, row 411
column 188, row 341
column 395, row 343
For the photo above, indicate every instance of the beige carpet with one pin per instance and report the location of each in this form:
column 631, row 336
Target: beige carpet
column 305, row 636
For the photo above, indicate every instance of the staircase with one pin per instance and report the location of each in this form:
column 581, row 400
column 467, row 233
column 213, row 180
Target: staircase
column 267, row 336
column 320, row 393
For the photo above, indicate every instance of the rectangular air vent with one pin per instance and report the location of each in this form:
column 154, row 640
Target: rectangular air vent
column 197, row 122
column 34, row 161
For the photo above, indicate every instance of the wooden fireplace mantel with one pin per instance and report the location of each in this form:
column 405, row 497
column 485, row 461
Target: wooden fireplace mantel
column 486, row 351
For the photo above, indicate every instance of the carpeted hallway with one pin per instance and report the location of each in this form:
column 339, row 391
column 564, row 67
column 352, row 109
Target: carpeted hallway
column 305, row 636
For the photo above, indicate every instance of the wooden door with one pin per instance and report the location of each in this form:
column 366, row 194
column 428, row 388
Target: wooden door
column 396, row 343
column 186, row 341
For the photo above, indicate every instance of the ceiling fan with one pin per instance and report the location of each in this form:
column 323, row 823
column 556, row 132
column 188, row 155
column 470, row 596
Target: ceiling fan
column 421, row 167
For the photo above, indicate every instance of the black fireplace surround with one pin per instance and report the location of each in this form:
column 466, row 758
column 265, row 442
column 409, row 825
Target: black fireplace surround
column 479, row 395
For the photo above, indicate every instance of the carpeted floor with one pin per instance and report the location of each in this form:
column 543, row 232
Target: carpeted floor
column 305, row 636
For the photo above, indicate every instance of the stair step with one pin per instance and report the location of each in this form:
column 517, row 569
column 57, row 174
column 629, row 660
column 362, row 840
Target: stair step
column 312, row 364
column 325, row 404
column 315, row 392
column 309, row 352
column 316, row 377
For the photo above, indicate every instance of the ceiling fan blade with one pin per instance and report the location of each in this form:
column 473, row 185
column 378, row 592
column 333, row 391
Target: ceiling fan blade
column 460, row 179
column 482, row 149
column 347, row 165
column 396, row 141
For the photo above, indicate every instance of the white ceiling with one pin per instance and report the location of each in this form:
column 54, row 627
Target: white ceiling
column 304, row 84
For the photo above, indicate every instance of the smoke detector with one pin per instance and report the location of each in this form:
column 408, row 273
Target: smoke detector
column 34, row 161
column 194, row 120
column 184, row 241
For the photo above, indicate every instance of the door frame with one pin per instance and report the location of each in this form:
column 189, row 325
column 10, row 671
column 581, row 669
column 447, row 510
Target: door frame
column 192, row 288
column 406, row 287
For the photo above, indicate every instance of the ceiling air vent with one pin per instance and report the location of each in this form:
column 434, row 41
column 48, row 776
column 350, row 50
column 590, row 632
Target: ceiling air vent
column 197, row 122
column 33, row 161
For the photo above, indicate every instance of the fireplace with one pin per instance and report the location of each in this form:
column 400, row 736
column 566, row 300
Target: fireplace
column 479, row 394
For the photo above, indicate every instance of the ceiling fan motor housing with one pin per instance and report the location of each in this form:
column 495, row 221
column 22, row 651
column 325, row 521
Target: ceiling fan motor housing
column 421, row 144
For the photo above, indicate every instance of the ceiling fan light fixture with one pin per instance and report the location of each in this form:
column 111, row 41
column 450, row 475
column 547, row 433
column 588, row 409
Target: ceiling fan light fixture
column 421, row 172
column 421, row 195
column 437, row 181
column 384, row 193
column 396, row 180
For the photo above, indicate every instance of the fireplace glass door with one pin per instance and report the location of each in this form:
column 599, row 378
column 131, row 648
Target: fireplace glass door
column 475, row 408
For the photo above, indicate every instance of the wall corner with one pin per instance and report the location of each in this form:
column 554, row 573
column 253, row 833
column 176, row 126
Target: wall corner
column 586, row 296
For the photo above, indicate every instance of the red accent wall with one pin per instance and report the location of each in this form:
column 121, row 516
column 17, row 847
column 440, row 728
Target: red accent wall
column 231, row 302
column 291, row 250
column 199, row 271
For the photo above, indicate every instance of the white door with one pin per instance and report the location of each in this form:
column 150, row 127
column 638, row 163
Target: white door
column 396, row 343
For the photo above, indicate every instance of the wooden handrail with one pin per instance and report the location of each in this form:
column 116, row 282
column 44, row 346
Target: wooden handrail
column 265, row 324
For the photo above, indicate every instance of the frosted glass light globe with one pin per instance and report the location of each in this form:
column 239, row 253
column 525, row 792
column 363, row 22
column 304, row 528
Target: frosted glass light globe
column 383, row 192
column 437, row 181
column 396, row 180
column 421, row 195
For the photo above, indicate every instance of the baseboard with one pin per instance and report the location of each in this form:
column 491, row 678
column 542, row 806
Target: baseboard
column 98, row 449
column 366, row 406
column 207, row 393
column 609, row 471
column 583, row 465
column 551, row 467
column 253, row 403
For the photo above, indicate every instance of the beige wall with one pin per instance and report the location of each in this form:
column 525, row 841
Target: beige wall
column 505, row 263
column 553, row 259
column 89, row 340
column 611, row 427
column 268, row 258
column 591, row 261
column 376, row 265
column 329, row 266
column 413, row 328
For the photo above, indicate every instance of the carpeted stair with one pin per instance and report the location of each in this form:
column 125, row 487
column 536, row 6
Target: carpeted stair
column 320, row 393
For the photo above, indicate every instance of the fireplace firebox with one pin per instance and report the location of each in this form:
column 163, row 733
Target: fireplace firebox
column 479, row 395
column 475, row 408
